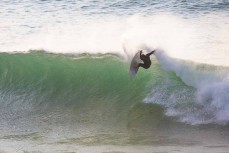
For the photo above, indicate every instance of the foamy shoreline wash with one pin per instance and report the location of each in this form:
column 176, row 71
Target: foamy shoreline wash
column 194, row 31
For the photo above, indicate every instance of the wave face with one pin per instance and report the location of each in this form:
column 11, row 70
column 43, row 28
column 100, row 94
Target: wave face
column 86, row 88
column 60, row 79
column 88, row 99
column 88, row 84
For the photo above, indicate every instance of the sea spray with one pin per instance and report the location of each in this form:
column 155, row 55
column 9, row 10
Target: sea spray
column 207, row 95
column 190, row 39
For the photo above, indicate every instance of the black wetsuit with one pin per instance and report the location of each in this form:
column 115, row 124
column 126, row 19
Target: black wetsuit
column 146, row 60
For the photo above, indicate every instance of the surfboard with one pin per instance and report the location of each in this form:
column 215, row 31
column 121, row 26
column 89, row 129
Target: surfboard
column 134, row 64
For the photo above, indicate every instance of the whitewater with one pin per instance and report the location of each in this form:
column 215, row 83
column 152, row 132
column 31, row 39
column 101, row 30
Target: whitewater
column 65, row 84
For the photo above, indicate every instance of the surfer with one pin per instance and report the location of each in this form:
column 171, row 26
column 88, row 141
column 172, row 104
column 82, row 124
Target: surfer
column 145, row 59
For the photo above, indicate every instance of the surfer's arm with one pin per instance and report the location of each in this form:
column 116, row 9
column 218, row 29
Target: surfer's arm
column 150, row 53
column 141, row 55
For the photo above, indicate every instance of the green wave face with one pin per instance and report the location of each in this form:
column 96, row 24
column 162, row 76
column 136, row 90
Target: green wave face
column 90, row 88
column 60, row 79
column 91, row 100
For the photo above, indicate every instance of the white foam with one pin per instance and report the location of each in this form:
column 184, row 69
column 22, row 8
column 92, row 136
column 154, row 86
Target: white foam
column 207, row 102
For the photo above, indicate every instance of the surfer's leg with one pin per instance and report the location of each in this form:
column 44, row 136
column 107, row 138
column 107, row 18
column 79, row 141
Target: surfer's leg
column 143, row 65
column 140, row 64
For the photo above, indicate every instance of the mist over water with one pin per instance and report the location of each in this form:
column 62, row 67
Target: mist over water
column 195, row 31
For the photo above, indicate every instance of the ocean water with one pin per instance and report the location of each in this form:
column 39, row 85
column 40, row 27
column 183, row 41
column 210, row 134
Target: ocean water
column 65, row 84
